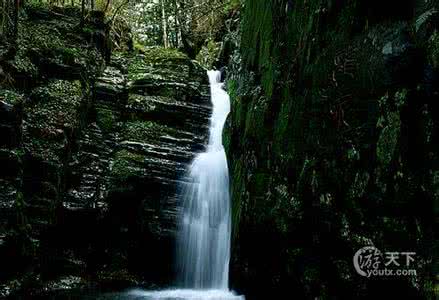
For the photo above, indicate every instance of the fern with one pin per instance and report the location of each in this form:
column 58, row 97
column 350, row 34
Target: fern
column 424, row 17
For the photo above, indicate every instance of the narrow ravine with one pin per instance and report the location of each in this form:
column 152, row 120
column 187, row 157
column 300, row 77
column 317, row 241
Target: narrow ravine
column 203, row 247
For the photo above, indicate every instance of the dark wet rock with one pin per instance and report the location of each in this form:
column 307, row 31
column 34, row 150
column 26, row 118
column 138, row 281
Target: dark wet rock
column 331, row 145
column 56, row 146
column 401, row 57
column 90, row 187
column 164, row 123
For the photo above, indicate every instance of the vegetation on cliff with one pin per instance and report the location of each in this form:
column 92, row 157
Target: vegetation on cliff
column 93, row 144
column 331, row 141
column 331, row 145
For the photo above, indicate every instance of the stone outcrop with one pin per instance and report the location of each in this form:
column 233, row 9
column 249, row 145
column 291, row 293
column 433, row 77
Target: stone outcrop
column 332, row 141
column 92, row 154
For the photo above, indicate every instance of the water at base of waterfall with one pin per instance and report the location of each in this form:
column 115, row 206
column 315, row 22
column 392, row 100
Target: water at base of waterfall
column 184, row 294
column 139, row 294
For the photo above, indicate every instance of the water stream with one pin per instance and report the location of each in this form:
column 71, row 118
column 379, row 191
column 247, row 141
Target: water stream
column 203, row 247
column 204, row 242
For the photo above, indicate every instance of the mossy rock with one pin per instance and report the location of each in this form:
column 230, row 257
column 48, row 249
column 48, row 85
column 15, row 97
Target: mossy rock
column 55, row 105
column 62, row 90
column 158, row 64
column 160, row 55
column 209, row 54
column 433, row 49
column 147, row 103
column 388, row 140
column 11, row 97
column 145, row 131
column 24, row 67
column 106, row 119
column 51, row 47
column 53, row 109
column 127, row 165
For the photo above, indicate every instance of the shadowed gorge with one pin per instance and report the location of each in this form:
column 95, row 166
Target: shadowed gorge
column 306, row 167
column 331, row 146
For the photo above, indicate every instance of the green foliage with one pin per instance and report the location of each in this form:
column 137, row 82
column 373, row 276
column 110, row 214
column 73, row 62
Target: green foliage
column 209, row 54
column 423, row 18
column 388, row 141
column 24, row 65
column 106, row 119
column 258, row 30
column 58, row 92
column 231, row 5
column 53, row 108
column 124, row 165
column 142, row 131
column 433, row 49
column 11, row 97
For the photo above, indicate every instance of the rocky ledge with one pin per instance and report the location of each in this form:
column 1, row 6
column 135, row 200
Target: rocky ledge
column 94, row 153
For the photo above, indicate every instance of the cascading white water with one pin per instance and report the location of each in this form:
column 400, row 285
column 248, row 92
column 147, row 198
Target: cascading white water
column 204, row 242
column 203, row 252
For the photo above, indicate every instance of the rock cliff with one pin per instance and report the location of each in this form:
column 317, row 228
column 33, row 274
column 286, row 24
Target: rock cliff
column 92, row 150
column 332, row 145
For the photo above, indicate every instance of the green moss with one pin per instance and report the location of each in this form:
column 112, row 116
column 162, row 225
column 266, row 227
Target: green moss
column 156, row 56
column 209, row 54
column 144, row 103
column 24, row 65
column 401, row 98
column 69, row 55
column 231, row 5
column 258, row 30
column 289, row 132
column 88, row 30
column 164, row 55
column 143, row 131
column 433, row 49
column 54, row 41
column 126, row 165
column 238, row 194
column 53, row 108
column 255, row 126
column 41, row 36
column 55, row 104
column 321, row 67
column 58, row 91
column 106, row 119
column 11, row 97
column 159, row 65
column 388, row 140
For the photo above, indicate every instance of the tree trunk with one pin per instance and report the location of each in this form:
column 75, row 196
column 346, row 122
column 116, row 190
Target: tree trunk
column 107, row 6
column 3, row 16
column 16, row 12
column 165, row 26
column 177, row 24
column 82, row 12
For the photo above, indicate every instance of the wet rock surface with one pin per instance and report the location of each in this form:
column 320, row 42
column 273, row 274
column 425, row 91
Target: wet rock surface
column 92, row 154
column 332, row 146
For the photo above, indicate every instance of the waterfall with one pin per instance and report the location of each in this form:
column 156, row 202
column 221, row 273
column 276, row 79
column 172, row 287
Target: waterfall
column 203, row 246
column 204, row 241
